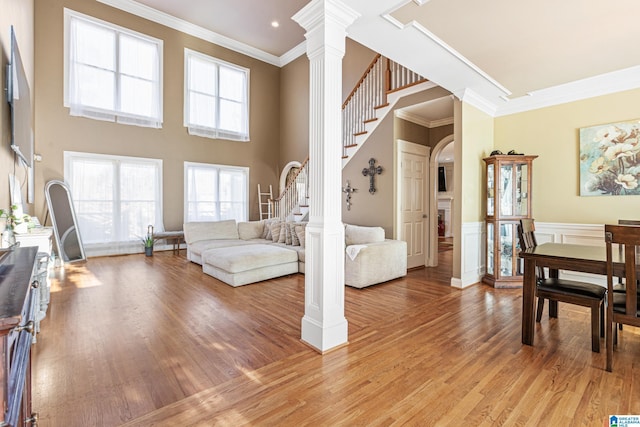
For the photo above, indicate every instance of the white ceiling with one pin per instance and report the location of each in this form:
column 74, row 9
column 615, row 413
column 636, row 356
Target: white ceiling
column 247, row 21
column 502, row 56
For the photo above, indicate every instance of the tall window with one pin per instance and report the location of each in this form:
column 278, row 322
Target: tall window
column 115, row 197
column 216, row 101
column 112, row 73
column 215, row 192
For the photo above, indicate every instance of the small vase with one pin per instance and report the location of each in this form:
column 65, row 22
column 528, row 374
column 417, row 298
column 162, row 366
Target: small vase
column 148, row 251
column 7, row 239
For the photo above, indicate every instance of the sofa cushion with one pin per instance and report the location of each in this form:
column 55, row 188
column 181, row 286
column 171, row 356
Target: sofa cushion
column 210, row 230
column 249, row 257
column 358, row 235
column 202, row 245
column 250, row 230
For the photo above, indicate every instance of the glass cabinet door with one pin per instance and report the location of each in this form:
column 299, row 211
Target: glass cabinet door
column 490, row 255
column 490, row 191
column 506, row 250
column 506, row 190
column 521, row 202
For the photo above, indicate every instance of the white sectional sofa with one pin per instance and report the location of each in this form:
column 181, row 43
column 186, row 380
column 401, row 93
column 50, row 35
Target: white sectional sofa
column 249, row 252
column 370, row 258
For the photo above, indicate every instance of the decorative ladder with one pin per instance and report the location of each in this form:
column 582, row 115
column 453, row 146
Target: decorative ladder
column 264, row 202
column 293, row 203
column 382, row 78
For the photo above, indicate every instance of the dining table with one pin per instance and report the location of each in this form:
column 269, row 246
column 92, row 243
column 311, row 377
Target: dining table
column 556, row 257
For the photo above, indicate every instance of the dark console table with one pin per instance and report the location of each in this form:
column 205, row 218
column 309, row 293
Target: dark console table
column 19, row 304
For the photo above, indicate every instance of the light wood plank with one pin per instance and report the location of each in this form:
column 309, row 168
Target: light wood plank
column 139, row 341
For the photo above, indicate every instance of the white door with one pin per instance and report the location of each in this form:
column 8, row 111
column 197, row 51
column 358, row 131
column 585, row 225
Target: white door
column 413, row 203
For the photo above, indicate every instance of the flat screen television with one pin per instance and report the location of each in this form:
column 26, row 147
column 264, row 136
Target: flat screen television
column 19, row 98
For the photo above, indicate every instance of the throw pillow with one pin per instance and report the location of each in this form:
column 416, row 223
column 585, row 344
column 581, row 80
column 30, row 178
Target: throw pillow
column 274, row 231
column 283, row 233
column 288, row 238
column 300, row 230
column 294, row 236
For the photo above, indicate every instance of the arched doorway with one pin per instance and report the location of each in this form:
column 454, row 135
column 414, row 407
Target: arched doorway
column 432, row 260
column 288, row 172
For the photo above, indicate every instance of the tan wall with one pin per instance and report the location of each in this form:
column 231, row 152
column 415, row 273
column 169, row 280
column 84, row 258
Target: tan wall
column 437, row 134
column 476, row 143
column 294, row 92
column 412, row 132
column 294, row 116
column 356, row 59
column 18, row 13
column 553, row 134
column 57, row 131
column 377, row 209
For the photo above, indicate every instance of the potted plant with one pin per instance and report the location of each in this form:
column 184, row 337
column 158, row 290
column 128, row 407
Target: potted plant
column 148, row 241
column 12, row 221
column 5, row 228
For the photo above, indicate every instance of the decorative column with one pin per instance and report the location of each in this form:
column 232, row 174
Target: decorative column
column 324, row 325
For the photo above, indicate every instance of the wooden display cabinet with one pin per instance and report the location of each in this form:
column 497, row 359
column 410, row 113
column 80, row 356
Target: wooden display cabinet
column 508, row 190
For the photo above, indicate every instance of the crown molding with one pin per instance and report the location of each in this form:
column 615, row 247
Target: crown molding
column 603, row 84
column 167, row 20
column 421, row 29
column 293, row 54
column 414, row 118
column 470, row 97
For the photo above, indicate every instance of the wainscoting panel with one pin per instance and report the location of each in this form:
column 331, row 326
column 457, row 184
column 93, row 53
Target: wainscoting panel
column 578, row 234
column 473, row 254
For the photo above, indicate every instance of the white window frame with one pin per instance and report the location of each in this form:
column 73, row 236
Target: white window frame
column 115, row 115
column 117, row 246
column 215, row 132
column 218, row 168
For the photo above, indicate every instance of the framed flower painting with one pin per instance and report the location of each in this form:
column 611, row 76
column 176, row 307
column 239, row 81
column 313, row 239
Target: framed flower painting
column 610, row 159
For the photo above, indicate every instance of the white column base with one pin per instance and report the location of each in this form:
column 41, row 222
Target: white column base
column 324, row 337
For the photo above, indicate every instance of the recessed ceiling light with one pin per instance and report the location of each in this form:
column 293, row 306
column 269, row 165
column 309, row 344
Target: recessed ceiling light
column 275, row 24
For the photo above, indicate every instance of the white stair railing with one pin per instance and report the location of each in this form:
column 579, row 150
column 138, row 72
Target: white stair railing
column 294, row 198
column 382, row 77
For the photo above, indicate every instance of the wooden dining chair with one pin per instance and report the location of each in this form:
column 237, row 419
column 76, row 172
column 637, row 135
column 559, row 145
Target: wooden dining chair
column 620, row 287
column 561, row 290
column 622, row 307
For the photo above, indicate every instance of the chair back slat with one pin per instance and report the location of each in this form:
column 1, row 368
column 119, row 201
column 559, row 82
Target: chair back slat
column 527, row 238
column 628, row 237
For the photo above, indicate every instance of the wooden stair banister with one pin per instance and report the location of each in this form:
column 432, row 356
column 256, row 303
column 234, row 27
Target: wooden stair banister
column 286, row 204
column 379, row 79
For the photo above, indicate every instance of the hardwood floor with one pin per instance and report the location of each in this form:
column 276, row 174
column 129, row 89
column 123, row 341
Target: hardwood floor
column 139, row 341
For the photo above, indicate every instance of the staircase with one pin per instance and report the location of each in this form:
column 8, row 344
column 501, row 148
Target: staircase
column 293, row 203
column 383, row 83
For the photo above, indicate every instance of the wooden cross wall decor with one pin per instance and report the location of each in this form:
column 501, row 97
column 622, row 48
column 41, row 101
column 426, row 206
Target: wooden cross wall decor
column 372, row 171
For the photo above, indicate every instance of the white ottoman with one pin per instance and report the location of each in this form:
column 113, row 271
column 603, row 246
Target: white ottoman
column 241, row 265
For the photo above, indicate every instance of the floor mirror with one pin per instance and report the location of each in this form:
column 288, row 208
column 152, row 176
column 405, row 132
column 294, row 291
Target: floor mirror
column 63, row 219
